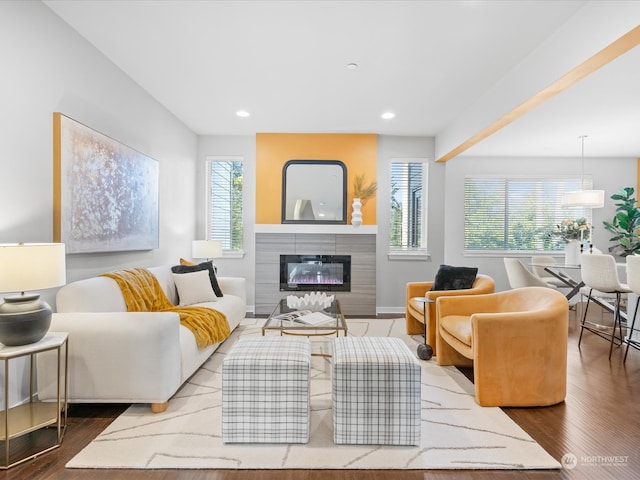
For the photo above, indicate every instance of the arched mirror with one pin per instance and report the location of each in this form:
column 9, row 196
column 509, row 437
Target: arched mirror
column 314, row 191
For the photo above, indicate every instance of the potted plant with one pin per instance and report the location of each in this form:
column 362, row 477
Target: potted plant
column 578, row 229
column 573, row 233
column 625, row 224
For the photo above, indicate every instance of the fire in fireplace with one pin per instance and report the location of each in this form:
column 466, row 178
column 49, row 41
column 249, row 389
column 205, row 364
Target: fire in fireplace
column 315, row 272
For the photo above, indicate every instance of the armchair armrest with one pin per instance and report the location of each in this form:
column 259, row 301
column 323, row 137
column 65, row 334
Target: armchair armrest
column 418, row 289
column 461, row 306
column 546, row 331
column 116, row 356
column 464, row 305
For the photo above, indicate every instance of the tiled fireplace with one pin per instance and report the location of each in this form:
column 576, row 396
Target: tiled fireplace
column 289, row 262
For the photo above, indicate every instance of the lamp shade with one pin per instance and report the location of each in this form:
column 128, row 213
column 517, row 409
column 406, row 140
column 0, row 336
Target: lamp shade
column 31, row 266
column 584, row 198
column 206, row 249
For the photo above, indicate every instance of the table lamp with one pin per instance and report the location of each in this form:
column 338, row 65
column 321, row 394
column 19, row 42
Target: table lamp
column 206, row 249
column 25, row 318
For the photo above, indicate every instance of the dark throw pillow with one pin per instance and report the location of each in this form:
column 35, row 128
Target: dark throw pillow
column 196, row 268
column 454, row 278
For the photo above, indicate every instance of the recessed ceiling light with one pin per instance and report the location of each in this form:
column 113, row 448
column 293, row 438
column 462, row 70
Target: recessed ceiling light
column 243, row 113
column 352, row 66
column 388, row 115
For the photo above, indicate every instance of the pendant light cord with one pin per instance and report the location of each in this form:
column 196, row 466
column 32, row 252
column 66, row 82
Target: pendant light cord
column 582, row 137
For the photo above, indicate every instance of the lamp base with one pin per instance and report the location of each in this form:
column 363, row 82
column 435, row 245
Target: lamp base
column 24, row 319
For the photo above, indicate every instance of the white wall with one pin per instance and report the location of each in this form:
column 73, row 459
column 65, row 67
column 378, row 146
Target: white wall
column 47, row 67
column 609, row 174
column 393, row 274
column 235, row 146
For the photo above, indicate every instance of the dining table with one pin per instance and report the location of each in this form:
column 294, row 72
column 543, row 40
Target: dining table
column 558, row 270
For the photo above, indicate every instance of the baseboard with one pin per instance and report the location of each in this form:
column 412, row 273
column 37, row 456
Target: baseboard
column 390, row 310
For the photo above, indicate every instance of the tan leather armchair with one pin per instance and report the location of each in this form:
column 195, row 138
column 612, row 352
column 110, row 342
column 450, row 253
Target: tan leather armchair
column 516, row 341
column 415, row 310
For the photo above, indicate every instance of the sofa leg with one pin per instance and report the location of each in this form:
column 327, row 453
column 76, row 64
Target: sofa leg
column 159, row 407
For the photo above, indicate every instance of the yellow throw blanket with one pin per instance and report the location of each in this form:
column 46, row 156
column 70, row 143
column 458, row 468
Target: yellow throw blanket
column 142, row 293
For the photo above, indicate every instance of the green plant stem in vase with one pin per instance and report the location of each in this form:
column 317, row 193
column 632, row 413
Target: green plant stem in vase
column 363, row 191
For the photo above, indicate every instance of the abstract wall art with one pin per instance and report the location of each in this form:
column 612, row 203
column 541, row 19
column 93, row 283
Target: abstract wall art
column 105, row 193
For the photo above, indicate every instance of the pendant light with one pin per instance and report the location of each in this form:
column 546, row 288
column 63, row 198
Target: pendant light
column 584, row 198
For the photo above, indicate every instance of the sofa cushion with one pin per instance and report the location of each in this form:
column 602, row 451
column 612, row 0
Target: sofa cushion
column 194, row 287
column 454, row 278
column 208, row 266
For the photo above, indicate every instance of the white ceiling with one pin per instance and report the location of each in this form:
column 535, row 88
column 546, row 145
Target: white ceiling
column 427, row 61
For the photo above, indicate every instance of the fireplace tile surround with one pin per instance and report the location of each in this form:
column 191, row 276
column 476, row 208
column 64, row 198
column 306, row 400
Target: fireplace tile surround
column 275, row 240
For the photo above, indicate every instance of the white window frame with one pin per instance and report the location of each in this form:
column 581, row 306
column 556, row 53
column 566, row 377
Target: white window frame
column 411, row 252
column 226, row 252
column 569, row 213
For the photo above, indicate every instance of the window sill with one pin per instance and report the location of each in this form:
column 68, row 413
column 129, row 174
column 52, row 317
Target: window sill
column 512, row 253
column 418, row 254
column 233, row 254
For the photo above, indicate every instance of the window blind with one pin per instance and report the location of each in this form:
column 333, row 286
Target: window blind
column 517, row 213
column 225, row 202
column 407, row 230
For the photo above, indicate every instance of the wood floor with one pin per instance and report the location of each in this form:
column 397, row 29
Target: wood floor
column 598, row 424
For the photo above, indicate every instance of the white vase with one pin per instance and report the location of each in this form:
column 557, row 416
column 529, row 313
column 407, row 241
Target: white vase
column 572, row 253
column 356, row 215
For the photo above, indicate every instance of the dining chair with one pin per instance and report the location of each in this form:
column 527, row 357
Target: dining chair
column 633, row 280
column 600, row 277
column 519, row 275
column 538, row 264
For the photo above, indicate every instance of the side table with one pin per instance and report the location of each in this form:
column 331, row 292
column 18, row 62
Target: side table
column 425, row 351
column 34, row 415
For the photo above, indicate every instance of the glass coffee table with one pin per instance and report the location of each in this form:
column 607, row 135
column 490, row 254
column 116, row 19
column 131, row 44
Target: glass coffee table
column 290, row 321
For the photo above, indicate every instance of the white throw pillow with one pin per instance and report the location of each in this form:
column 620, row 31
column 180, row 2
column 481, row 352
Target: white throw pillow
column 194, row 287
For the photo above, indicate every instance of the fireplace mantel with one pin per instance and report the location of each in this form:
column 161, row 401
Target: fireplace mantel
column 311, row 228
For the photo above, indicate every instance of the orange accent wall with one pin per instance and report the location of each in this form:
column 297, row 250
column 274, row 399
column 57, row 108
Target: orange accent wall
column 357, row 151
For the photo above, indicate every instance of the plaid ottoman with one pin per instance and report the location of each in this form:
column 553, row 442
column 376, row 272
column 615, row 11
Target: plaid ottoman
column 265, row 391
column 376, row 392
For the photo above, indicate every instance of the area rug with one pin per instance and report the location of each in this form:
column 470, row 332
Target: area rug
column 456, row 432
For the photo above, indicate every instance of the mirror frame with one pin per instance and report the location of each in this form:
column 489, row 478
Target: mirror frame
column 314, row 162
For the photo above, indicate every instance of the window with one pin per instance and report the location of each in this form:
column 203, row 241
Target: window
column 408, row 191
column 224, row 201
column 516, row 213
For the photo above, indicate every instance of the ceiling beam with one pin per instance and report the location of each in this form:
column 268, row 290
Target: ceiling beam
column 620, row 46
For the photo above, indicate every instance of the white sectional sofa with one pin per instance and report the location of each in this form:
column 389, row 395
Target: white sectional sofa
column 117, row 356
